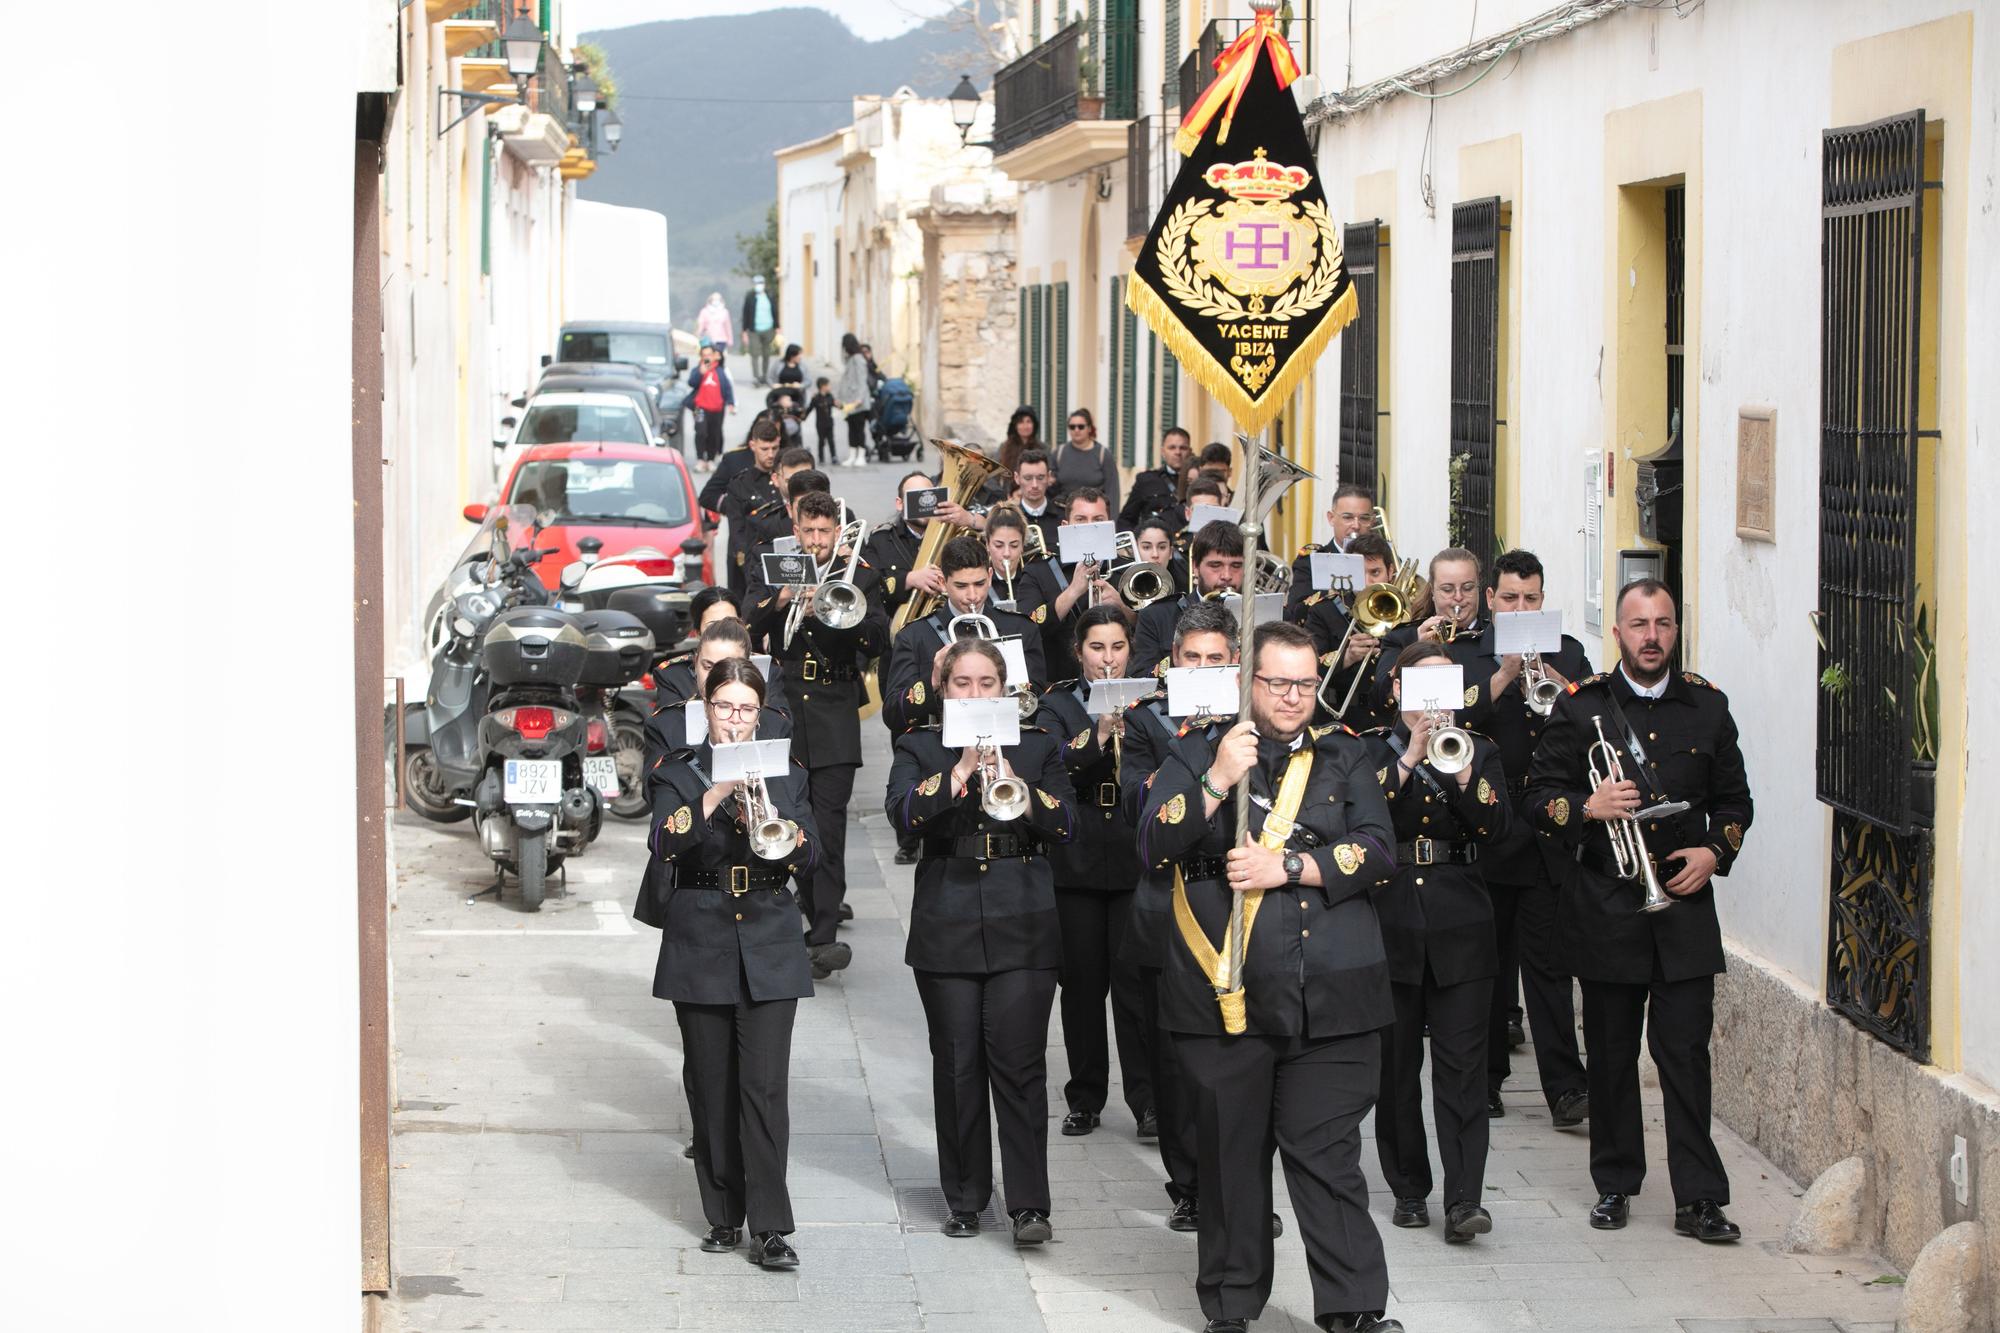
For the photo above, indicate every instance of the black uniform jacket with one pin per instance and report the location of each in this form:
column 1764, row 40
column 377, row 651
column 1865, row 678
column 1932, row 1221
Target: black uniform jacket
column 1149, row 733
column 718, row 946
column 975, row 913
column 716, row 488
column 908, row 699
column 657, row 880
column 765, row 524
column 1103, row 857
column 1440, row 914
column 673, row 686
column 1049, row 579
column 1691, row 755
column 1315, row 966
column 891, row 551
column 1153, row 640
column 1154, row 491
column 1526, row 855
column 825, row 666
column 749, row 492
column 1302, row 582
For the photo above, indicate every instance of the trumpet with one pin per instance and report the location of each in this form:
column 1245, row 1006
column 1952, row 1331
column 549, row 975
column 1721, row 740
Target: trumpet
column 1450, row 747
column 1002, row 797
column 1123, row 545
column 1541, row 691
column 971, row 626
column 771, row 835
column 1447, row 627
column 1628, row 843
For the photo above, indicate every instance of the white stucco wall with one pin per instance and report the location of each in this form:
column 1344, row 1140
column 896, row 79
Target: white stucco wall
column 809, row 192
column 1763, row 72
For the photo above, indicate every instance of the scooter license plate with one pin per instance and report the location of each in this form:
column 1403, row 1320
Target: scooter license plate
column 533, row 781
column 602, row 773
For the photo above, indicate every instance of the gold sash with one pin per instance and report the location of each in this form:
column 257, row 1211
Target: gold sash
column 1214, row 964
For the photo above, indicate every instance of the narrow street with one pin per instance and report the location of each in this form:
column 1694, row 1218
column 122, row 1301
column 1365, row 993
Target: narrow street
column 539, row 1182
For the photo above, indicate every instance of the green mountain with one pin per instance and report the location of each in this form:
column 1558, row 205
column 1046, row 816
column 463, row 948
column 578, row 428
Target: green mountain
column 705, row 102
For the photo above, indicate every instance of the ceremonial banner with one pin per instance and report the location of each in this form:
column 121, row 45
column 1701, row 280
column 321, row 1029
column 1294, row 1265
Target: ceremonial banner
column 1242, row 274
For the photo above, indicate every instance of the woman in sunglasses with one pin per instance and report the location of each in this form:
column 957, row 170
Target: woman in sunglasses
column 1080, row 461
column 733, row 961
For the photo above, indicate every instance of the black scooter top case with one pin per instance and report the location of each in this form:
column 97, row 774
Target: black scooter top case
column 535, row 645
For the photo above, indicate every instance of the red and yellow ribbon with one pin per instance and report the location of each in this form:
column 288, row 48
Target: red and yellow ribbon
column 1232, row 78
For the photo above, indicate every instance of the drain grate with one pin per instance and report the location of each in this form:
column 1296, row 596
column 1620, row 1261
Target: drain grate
column 922, row 1208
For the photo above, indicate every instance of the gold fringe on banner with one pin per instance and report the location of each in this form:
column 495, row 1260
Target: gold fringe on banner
column 1251, row 414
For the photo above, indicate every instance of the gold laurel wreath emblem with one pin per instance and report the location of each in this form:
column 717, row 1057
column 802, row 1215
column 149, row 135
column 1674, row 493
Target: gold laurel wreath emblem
column 1216, row 301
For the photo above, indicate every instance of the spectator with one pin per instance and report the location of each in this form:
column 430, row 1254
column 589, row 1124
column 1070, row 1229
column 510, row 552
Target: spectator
column 822, row 410
column 712, row 397
column 1082, row 463
column 856, row 397
column 760, row 324
column 712, row 324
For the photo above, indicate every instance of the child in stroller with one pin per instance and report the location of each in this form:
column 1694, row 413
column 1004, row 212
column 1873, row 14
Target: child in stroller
column 892, row 424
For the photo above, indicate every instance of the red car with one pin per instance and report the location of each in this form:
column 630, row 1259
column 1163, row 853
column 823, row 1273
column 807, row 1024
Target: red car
column 625, row 495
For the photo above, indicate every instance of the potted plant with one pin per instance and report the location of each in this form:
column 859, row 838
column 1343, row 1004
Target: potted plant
column 1089, row 97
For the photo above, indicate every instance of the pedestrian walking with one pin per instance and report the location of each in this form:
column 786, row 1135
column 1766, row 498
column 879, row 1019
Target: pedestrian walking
column 760, row 328
column 856, row 399
column 822, row 410
column 712, row 324
column 714, row 396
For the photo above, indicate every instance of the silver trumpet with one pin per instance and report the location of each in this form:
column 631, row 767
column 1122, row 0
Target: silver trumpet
column 1541, row 691
column 972, row 626
column 1628, row 843
column 1449, row 749
column 1002, row 798
column 771, row 835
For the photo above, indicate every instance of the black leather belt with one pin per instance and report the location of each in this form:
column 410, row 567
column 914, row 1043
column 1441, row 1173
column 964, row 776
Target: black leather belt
column 1103, row 794
column 1517, row 786
column 1436, row 852
column 1202, row 867
column 986, row 846
column 737, row 880
column 813, row 669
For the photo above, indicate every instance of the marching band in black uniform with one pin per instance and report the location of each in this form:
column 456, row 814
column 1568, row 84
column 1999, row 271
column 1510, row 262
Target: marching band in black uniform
column 1409, row 877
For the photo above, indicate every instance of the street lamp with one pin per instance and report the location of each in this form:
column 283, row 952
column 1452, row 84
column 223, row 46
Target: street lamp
column 964, row 106
column 521, row 44
column 583, row 92
column 614, row 128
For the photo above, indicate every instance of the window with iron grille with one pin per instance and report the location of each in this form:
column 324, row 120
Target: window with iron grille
column 1475, row 361
column 1871, row 261
column 1360, row 460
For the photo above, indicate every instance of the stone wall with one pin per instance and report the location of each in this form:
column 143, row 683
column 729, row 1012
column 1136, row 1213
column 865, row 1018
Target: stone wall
column 1808, row 1088
column 970, row 323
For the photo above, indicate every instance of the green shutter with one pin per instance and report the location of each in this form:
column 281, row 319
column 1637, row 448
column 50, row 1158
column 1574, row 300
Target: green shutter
column 1038, row 355
column 1128, row 392
column 486, row 208
column 1060, row 398
column 1110, row 423
column 1151, row 435
column 1172, row 45
column 1021, row 349
column 1170, row 391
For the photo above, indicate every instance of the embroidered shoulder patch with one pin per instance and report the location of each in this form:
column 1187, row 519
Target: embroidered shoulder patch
column 1693, row 679
column 1559, row 810
column 1039, row 614
column 1348, row 857
column 1047, row 800
column 681, row 820
column 1081, row 739
column 917, row 693
column 1174, row 811
column 1382, row 773
column 929, row 786
column 1471, row 695
column 1486, row 796
column 1733, row 833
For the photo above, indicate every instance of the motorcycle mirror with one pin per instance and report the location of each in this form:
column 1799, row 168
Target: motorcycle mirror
column 507, row 422
column 590, row 545
column 680, row 363
column 475, row 513
column 572, row 574
column 547, row 359
column 520, row 402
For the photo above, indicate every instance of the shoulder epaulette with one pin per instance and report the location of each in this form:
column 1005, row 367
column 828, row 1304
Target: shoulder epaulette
column 1310, row 547
column 1597, row 679
column 1317, row 597
column 1693, row 679
column 881, row 528
column 769, row 506
column 1062, row 685
column 1334, row 729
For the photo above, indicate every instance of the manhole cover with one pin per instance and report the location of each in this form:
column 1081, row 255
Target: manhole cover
column 922, row 1207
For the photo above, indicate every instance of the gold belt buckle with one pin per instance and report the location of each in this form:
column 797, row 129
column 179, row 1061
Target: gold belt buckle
column 1107, row 794
column 1426, row 852
column 809, row 668
column 991, row 855
column 739, row 881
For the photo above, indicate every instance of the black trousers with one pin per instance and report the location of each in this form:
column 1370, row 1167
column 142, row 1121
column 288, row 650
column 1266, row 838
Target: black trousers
column 1172, row 1106
column 1506, row 1002
column 824, row 435
column 829, row 789
column 990, row 1040
column 1093, row 929
column 1457, row 1018
column 857, row 432
column 1677, row 1017
column 1305, row 1098
column 736, row 1067
column 708, row 434
column 1548, row 991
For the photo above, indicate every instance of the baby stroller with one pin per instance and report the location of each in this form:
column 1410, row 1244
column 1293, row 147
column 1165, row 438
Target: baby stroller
column 892, row 423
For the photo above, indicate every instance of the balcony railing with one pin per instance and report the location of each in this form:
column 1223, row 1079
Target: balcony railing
column 497, row 12
column 1086, row 71
column 1150, row 163
column 552, row 90
column 1198, row 70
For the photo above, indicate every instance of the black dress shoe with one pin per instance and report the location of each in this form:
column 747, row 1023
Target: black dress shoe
column 847, row 911
column 820, row 970
column 1226, row 1326
column 833, row 956
column 1611, row 1213
column 721, row 1240
column 1185, row 1217
column 1277, row 1226
column 1703, row 1220
column 769, row 1250
column 1411, row 1213
column 688, row 1152
column 1516, row 1036
column 960, row 1225
column 1357, row 1323
column 1031, row 1227
column 1078, row 1123
column 1571, row 1109
column 906, row 856
column 1149, row 1127
column 1464, row 1220
column 1495, row 1108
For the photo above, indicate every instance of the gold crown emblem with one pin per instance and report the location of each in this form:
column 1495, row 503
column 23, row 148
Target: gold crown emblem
column 1257, row 181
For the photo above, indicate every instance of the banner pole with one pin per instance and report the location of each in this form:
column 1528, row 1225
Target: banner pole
column 1251, row 526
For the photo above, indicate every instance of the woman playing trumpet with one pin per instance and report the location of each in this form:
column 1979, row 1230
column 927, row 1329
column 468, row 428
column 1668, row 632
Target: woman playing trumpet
column 985, row 941
column 734, row 964
column 1448, row 801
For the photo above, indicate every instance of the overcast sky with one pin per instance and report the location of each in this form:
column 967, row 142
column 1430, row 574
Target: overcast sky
column 872, row 19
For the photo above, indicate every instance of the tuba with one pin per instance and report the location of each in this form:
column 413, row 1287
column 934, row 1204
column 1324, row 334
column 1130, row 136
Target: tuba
column 962, row 470
column 1276, row 474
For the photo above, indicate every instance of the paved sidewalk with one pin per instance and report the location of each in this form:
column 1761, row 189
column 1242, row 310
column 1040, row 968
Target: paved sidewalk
column 539, row 1183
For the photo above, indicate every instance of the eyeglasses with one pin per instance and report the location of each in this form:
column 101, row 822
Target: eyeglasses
column 735, row 710
column 1280, row 688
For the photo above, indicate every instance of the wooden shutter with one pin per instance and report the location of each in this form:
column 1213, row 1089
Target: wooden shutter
column 1039, row 355
column 1359, row 454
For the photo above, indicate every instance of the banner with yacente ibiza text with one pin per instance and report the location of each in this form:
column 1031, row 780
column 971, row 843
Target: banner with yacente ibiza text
column 1242, row 274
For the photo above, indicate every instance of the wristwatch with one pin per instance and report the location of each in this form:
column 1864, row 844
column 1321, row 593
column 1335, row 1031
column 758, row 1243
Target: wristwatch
column 1295, row 867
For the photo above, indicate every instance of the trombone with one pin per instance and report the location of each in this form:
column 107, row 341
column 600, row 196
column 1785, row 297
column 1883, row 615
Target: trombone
column 836, row 603
column 1628, row 844
column 1378, row 608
